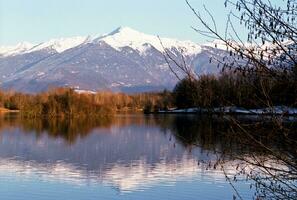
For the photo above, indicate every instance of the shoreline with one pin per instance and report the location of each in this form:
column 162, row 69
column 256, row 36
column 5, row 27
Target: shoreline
column 276, row 110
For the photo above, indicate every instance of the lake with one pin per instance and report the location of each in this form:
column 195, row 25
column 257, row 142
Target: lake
column 125, row 157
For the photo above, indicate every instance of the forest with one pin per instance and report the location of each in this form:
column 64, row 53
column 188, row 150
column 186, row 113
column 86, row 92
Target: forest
column 66, row 102
column 246, row 90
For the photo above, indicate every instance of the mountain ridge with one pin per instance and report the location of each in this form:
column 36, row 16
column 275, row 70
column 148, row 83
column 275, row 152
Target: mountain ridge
column 124, row 60
column 124, row 35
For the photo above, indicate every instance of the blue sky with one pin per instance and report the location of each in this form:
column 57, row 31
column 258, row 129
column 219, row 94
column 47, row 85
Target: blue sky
column 39, row 20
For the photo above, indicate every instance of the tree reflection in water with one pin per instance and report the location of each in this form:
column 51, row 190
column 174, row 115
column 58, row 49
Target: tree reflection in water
column 68, row 129
column 262, row 152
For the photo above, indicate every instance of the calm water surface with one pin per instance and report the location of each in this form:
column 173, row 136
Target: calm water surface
column 127, row 157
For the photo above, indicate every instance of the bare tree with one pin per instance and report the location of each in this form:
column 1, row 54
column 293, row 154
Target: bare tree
column 269, row 51
column 270, row 45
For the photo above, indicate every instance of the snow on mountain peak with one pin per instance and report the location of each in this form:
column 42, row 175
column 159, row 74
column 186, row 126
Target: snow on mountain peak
column 127, row 37
column 58, row 45
column 124, row 30
column 61, row 44
column 13, row 50
column 119, row 38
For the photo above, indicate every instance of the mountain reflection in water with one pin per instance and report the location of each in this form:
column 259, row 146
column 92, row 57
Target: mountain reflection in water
column 127, row 152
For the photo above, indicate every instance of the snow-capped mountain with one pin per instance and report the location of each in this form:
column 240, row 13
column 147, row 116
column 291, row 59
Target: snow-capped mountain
column 127, row 37
column 14, row 50
column 123, row 60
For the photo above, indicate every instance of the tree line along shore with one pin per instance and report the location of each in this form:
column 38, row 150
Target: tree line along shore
column 249, row 91
column 66, row 102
